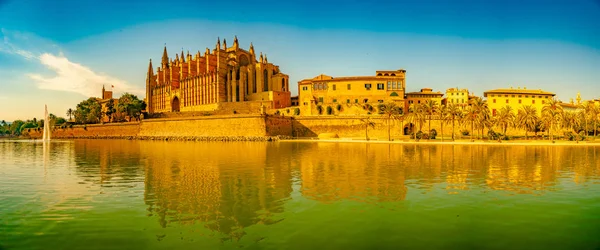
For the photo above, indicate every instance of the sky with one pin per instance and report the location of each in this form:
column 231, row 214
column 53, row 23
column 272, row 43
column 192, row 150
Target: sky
column 62, row 52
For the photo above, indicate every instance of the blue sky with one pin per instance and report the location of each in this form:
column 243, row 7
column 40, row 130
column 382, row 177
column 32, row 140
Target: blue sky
column 60, row 52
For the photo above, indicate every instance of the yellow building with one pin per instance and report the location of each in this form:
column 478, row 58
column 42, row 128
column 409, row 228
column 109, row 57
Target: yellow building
column 422, row 97
column 457, row 96
column 517, row 98
column 384, row 86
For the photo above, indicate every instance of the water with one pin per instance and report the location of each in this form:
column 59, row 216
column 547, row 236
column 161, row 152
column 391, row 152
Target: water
column 113, row 194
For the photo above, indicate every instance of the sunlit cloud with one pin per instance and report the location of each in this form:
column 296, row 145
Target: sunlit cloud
column 68, row 76
column 74, row 77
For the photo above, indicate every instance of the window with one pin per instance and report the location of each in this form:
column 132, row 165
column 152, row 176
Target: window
column 389, row 85
column 513, row 96
column 349, row 86
column 506, row 96
column 494, row 100
column 526, row 96
column 394, row 85
column 533, row 101
column 462, row 101
column 366, row 100
column 321, row 99
column 493, row 112
column 380, row 101
column 368, row 86
column 543, row 102
column 304, row 88
column 492, row 95
column 520, row 96
column 334, row 100
column 334, row 87
column 355, row 100
column 347, row 100
column 380, row 86
column 506, row 100
column 519, row 101
column 419, row 101
column 463, row 93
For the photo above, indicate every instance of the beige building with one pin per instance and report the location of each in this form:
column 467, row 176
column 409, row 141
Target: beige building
column 384, row 86
column 457, row 96
column 517, row 98
column 422, row 97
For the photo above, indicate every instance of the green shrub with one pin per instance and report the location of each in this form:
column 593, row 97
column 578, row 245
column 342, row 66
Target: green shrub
column 419, row 135
column 465, row 132
column 432, row 134
column 329, row 110
column 296, row 111
column 287, row 111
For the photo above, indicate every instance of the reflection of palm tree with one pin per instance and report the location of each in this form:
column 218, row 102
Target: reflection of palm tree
column 391, row 112
column 550, row 113
column 368, row 123
column 527, row 118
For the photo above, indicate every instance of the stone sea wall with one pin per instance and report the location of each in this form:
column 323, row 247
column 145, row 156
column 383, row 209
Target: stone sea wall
column 241, row 127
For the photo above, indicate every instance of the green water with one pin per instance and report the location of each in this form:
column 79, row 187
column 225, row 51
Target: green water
column 112, row 194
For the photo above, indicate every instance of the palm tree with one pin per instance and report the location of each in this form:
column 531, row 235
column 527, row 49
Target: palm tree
column 415, row 115
column 444, row 117
column 70, row 113
column 505, row 118
column 527, row 118
column 453, row 112
column 430, row 108
column 551, row 112
column 3, row 123
column 470, row 116
column 593, row 112
column 482, row 116
column 391, row 112
column 368, row 123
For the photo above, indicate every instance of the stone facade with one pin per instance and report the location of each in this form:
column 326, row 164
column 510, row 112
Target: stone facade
column 457, row 96
column 384, row 86
column 223, row 75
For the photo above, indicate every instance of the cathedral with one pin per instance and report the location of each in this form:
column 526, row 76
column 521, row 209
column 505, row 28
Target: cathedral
column 228, row 79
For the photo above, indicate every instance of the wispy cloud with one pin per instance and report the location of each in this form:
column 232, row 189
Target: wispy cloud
column 76, row 78
column 69, row 76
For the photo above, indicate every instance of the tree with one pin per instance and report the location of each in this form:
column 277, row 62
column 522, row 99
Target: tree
column 551, row 113
column 481, row 114
column 415, row 115
column 454, row 112
column 527, row 118
column 505, row 118
column 368, row 123
column 444, row 114
column 470, row 117
column 88, row 111
column 391, row 112
column 70, row 113
column 430, row 108
column 130, row 105
column 15, row 127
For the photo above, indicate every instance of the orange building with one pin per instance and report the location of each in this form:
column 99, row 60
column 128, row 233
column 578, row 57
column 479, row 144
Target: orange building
column 226, row 78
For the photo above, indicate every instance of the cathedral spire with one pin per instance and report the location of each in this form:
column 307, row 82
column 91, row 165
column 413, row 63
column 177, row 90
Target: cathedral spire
column 165, row 57
column 224, row 44
column 218, row 43
column 235, row 42
column 261, row 58
column 150, row 69
column 182, row 57
column 578, row 98
column 251, row 48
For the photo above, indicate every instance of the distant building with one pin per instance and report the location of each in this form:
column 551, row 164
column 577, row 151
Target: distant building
column 222, row 79
column 421, row 97
column 295, row 101
column 457, row 96
column 516, row 98
column 107, row 96
column 384, row 86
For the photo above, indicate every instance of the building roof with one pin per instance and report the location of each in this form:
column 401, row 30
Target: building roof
column 327, row 78
column 518, row 91
column 425, row 93
column 568, row 105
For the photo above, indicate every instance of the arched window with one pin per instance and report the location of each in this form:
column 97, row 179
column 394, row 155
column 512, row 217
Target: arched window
column 265, row 80
column 254, row 86
column 393, row 74
column 282, row 84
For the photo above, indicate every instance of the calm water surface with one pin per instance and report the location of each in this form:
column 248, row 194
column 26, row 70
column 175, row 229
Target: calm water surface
column 112, row 194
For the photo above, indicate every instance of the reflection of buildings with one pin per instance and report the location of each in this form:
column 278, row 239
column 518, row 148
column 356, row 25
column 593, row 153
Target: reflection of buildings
column 352, row 172
column 226, row 186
